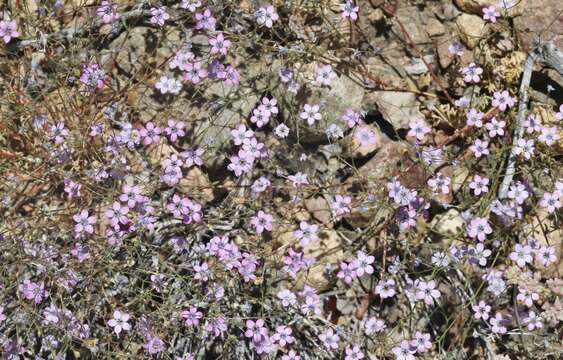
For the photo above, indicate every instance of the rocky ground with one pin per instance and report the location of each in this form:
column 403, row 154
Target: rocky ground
column 372, row 179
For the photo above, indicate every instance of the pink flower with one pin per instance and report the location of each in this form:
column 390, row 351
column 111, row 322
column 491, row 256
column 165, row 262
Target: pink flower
column 427, row 291
column 282, row 337
column 545, row 256
column 287, row 298
column 194, row 72
column 549, row 136
column 418, row 129
column 192, row 316
column 117, row 214
column 307, row 233
column 310, row 113
column 266, row 16
column 524, row 147
column 352, row 117
column 150, row 134
column 456, row 49
column 481, row 310
column 522, row 255
column 479, row 185
column 325, row 75
column 480, row 148
column 93, row 77
column 474, row 118
column 8, row 30
column 340, row 205
column 241, row 133
column 190, row 5
column 404, row 351
column 374, row 325
column 219, row 45
column 495, row 127
column 502, row 100
column 472, row 73
column 349, row 10
column 347, row 272
column 298, row 179
column 533, row 321
column 498, row 324
column 365, row 136
column 33, row 291
column 154, row 345
column 175, row 129
column 362, row 263
column 262, row 221
column 532, row 124
column 119, row 322
column 353, row 353
column 259, row 118
column 440, row 183
column 479, row 228
column 108, row 12
column 559, row 114
column 330, row 339
column 421, row 342
column 205, row 21
column 490, row 13
column 551, row 201
column 84, row 223
column 385, row 288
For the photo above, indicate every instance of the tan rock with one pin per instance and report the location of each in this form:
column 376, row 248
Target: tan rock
column 448, row 223
column 412, row 22
column 397, row 107
column 434, row 27
column 542, row 17
column 471, row 28
column 509, row 8
column 319, row 209
column 195, row 184
column 327, row 251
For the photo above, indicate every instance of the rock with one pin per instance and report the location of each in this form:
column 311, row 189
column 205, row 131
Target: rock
column 214, row 132
column 327, row 251
column 319, row 209
column 449, row 223
column 449, row 11
column 412, row 21
column 541, row 17
column 418, row 67
column 140, row 48
column 195, row 184
column 343, row 93
column 356, row 150
column 471, row 28
column 511, row 8
column 444, row 55
column 398, row 108
column 434, row 27
column 385, row 72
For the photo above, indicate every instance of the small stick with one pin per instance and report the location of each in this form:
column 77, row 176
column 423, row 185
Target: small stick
column 519, row 129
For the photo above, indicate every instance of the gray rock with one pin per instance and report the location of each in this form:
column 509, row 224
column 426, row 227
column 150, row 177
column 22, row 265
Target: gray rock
column 398, row 108
column 411, row 20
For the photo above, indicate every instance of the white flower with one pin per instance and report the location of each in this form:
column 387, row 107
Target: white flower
column 168, row 85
